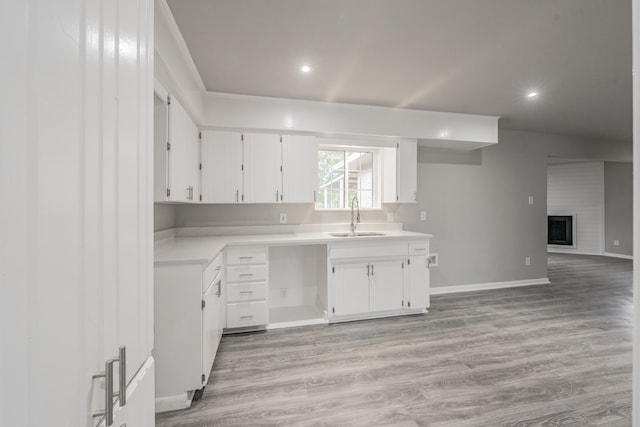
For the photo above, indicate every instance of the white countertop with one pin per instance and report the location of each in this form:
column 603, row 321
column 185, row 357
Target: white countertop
column 174, row 248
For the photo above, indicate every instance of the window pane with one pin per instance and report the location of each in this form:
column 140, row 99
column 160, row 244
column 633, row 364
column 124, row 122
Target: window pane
column 343, row 175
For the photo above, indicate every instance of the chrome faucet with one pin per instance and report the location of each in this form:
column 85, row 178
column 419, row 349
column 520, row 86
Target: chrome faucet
column 354, row 223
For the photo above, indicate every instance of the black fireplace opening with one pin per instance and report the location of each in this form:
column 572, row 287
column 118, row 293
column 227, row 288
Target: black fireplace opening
column 560, row 230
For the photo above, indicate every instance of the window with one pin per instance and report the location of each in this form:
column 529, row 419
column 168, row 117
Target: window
column 345, row 173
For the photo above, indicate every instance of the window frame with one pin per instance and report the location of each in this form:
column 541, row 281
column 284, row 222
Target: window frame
column 376, row 170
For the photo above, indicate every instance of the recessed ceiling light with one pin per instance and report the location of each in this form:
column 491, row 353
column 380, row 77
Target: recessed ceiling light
column 305, row 69
column 532, row 94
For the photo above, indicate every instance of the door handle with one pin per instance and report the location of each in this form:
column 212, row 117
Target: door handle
column 122, row 383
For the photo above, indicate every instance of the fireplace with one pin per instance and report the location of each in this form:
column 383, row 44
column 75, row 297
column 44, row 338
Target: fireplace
column 561, row 230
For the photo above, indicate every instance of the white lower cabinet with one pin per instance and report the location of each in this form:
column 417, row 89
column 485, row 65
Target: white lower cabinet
column 350, row 289
column 375, row 279
column 418, row 282
column 386, row 285
column 247, row 270
column 188, row 327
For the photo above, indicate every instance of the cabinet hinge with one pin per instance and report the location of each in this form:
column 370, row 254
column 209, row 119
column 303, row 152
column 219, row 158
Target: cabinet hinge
column 402, row 265
column 402, row 303
column 200, row 135
column 333, row 310
column 168, row 100
column 408, row 303
column 333, row 269
column 203, row 304
column 242, row 198
column 397, row 197
column 280, row 168
column 200, row 166
column 168, row 146
column 408, row 261
column 242, row 167
column 203, row 377
column 397, row 145
column 281, row 139
column 241, row 137
column 201, row 197
column 168, row 192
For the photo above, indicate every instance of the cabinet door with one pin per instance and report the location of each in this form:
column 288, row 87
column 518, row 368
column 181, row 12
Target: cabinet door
column 350, row 289
column 389, row 175
column 221, row 167
column 262, row 163
column 183, row 157
column 407, row 171
column 387, row 282
column 210, row 327
column 299, row 169
column 418, row 282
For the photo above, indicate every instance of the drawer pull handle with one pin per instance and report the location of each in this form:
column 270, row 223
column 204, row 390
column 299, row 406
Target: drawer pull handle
column 419, row 249
column 246, row 317
column 246, row 292
column 246, row 257
column 246, row 274
column 218, row 268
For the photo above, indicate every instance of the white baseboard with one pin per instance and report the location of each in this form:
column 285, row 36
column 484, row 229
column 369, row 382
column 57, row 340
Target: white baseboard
column 612, row 255
column 573, row 252
column 486, row 286
column 174, row 403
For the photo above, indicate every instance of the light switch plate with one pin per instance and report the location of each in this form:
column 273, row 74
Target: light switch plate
column 530, row 200
column 423, row 215
column 616, row 243
column 283, row 218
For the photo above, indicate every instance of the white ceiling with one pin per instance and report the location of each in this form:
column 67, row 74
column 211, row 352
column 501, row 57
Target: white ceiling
column 464, row 56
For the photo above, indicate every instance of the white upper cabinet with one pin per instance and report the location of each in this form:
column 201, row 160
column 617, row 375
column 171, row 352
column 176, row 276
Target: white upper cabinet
column 262, row 168
column 407, row 164
column 300, row 168
column 177, row 176
column 222, row 167
column 400, row 173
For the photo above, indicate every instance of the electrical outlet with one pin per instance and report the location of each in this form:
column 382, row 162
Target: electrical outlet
column 423, row 215
column 530, row 200
column 283, row 218
column 527, row 261
column 616, row 243
column 389, row 216
column 432, row 260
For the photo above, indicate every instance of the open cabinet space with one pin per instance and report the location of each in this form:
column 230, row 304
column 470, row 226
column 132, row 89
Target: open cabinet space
column 298, row 285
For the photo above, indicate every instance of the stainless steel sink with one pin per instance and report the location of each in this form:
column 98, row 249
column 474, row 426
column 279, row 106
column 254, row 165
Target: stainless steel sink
column 358, row 234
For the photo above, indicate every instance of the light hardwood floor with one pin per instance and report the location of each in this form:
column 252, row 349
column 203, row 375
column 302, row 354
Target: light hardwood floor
column 550, row 355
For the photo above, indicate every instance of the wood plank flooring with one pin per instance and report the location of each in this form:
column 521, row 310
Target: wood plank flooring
column 549, row 355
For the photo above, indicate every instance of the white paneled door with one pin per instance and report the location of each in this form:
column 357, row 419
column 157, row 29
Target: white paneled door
column 76, row 267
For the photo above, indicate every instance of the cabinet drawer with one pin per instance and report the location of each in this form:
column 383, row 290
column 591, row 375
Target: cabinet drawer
column 419, row 248
column 240, row 292
column 211, row 272
column 246, row 256
column 248, row 273
column 245, row 314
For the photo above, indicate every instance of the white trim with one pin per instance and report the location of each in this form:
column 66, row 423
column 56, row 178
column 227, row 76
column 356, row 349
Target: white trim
column 486, row 286
column 295, row 323
column 182, row 45
column 173, row 403
column 572, row 252
column 622, row 256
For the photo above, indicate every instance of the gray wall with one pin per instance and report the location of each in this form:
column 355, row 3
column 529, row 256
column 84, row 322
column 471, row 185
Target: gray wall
column 618, row 207
column 477, row 208
column 164, row 216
